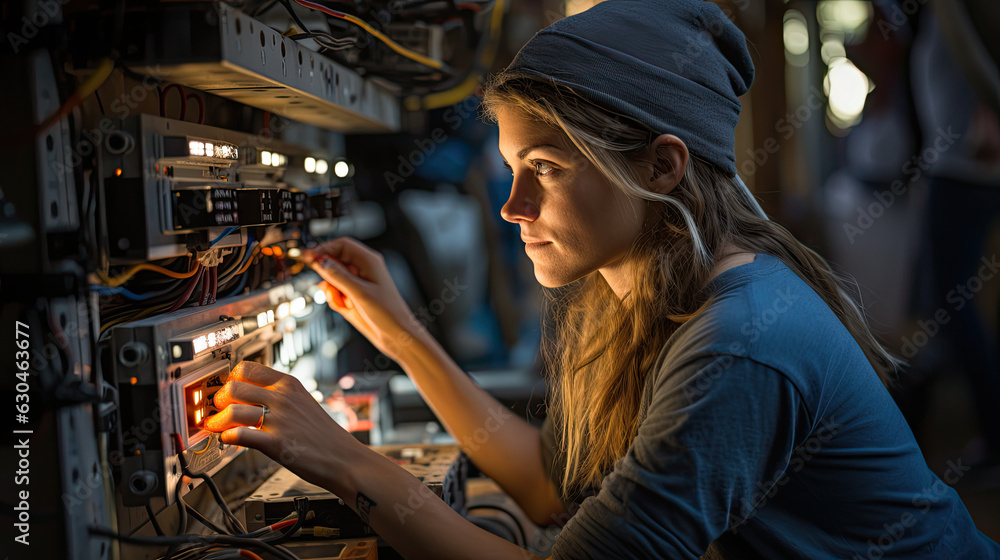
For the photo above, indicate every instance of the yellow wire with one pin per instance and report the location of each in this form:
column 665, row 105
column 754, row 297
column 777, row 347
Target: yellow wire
column 95, row 80
column 249, row 260
column 128, row 274
column 394, row 46
column 138, row 315
column 468, row 86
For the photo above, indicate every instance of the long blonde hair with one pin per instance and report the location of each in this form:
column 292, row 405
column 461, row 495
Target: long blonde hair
column 604, row 347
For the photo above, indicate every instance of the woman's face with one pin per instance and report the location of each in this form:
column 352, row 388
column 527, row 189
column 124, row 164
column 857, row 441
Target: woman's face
column 572, row 219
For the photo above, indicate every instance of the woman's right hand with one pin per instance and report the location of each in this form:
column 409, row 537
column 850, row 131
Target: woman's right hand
column 361, row 290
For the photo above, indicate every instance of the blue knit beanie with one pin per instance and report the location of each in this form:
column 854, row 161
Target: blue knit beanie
column 677, row 66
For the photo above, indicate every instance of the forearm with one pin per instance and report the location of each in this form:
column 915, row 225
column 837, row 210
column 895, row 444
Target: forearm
column 503, row 446
column 406, row 513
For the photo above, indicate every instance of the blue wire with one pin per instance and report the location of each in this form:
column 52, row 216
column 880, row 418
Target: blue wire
column 222, row 235
column 107, row 291
column 239, row 288
column 243, row 281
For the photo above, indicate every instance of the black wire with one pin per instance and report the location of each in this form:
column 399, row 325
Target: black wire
column 152, row 519
column 205, row 521
column 184, row 539
column 302, row 509
column 520, row 528
column 237, row 526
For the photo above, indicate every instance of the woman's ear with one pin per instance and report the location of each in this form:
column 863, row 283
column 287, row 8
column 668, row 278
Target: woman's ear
column 668, row 156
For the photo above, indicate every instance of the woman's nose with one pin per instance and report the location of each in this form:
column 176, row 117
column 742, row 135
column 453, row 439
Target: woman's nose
column 522, row 203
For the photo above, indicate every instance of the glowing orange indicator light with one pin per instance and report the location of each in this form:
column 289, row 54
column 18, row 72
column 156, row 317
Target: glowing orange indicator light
column 197, row 396
column 134, row 380
column 118, row 172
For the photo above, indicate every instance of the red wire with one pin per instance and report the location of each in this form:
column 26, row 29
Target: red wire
column 201, row 106
column 324, row 9
column 187, row 291
column 250, row 555
column 163, row 100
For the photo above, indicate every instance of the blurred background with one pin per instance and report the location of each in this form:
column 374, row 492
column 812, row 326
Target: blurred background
column 871, row 132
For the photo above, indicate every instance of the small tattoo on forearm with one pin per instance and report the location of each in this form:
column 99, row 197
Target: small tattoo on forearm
column 364, row 505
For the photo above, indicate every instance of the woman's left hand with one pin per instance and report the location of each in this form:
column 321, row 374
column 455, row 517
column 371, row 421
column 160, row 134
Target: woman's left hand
column 297, row 432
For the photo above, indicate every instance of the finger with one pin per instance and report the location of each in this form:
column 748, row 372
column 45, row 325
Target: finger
column 333, row 295
column 247, row 437
column 252, row 372
column 234, row 392
column 338, row 275
column 350, row 251
column 234, row 415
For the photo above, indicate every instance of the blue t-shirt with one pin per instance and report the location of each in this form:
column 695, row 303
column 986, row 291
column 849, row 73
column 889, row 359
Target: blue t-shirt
column 766, row 433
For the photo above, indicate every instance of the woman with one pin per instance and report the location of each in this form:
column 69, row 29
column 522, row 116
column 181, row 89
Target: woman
column 715, row 391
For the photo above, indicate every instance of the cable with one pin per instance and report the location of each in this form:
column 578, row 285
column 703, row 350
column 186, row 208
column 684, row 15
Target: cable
column 412, row 55
column 205, row 521
column 187, row 291
column 163, row 99
column 468, row 86
column 152, row 519
column 222, row 235
column 132, row 271
column 211, row 486
column 302, row 510
column 89, row 86
column 201, row 106
column 108, row 291
column 183, row 539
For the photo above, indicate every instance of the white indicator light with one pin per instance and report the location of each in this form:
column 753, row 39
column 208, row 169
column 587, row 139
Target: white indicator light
column 200, row 344
column 177, row 351
column 341, row 169
column 277, row 159
column 310, row 165
column 265, row 157
column 270, row 316
column 209, row 149
column 298, row 305
column 196, row 148
column 261, row 320
column 319, row 297
column 282, row 311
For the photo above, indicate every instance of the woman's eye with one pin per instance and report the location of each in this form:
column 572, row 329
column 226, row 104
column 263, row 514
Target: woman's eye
column 542, row 168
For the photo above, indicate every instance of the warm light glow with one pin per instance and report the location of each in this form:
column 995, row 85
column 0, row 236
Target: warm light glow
column 847, row 87
column 321, row 166
column 209, row 149
column 849, row 16
column 134, row 380
column 298, row 305
column 197, row 416
column 310, row 165
column 196, row 148
column 283, row 310
column 200, row 344
column 197, row 396
column 118, row 172
column 265, row 157
column 796, row 36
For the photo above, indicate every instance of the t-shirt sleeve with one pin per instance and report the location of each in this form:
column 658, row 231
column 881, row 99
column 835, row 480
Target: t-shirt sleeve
column 719, row 432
